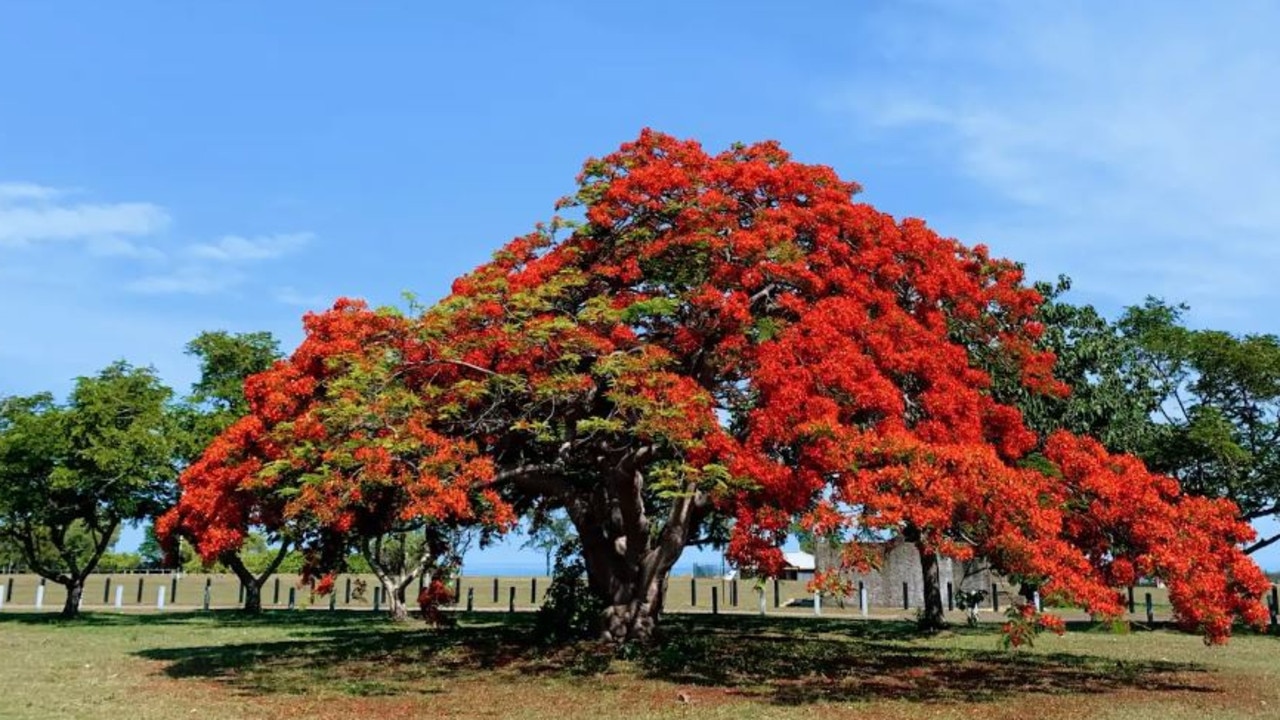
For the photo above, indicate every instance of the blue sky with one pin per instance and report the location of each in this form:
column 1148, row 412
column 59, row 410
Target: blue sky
column 168, row 168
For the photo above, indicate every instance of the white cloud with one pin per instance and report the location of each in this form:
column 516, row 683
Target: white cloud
column 10, row 191
column 311, row 301
column 235, row 248
column 118, row 247
column 188, row 280
column 42, row 217
column 1135, row 146
column 31, row 213
column 211, row 268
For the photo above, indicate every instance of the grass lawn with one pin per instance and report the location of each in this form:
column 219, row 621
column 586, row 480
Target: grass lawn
column 353, row 665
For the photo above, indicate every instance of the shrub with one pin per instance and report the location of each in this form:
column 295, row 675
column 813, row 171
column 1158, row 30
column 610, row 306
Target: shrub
column 570, row 611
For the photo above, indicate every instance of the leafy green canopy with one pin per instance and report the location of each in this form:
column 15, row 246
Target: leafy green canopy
column 1218, row 428
column 72, row 473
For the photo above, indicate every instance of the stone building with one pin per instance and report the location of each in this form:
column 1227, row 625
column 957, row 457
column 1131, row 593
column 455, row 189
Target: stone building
column 898, row 563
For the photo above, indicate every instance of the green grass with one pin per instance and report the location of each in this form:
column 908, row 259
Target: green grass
column 219, row 666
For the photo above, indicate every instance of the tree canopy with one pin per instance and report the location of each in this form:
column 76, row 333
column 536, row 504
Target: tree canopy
column 72, row 473
column 1218, row 408
column 723, row 343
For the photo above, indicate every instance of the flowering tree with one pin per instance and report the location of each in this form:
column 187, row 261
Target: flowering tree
column 734, row 335
column 217, row 401
column 337, row 453
column 724, row 339
column 730, row 335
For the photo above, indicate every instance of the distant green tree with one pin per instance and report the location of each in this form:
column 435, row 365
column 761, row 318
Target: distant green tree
column 119, row 562
column 11, row 555
column 217, row 397
column 1111, row 394
column 704, row 570
column 73, row 473
column 549, row 532
column 1218, row 408
column 150, row 552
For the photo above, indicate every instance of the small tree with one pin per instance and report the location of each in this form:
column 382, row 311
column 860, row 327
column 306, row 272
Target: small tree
column 74, row 473
column 548, row 532
column 216, row 401
column 398, row 558
column 337, row 453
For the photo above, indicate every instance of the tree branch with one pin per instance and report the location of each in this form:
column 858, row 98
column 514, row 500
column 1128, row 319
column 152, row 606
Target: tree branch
column 99, row 548
column 459, row 363
column 1262, row 512
column 275, row 562
column 26, row 540
column 1265, row 542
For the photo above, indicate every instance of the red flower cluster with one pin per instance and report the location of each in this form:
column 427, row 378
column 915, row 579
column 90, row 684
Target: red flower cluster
column 1025, row 623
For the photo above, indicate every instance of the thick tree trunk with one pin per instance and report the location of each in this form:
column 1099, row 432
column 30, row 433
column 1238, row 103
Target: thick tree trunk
column 73, row 577
column 627, row 564
column 252, row 595
column 632, row 615
column 75, row 590
column 630, row 587
column 393, row 593
column 252, row 584
column 933, row 617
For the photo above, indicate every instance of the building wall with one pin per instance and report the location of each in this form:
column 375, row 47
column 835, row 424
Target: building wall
column 899, row 563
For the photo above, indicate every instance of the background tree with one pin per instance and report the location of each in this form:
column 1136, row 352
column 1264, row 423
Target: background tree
column 150, row 551
column 1111, row 395
column 11, row 556
column 548, row 532
column 217, row 397
column 73, row 473
column 1218, row 405
column 1200, row 405
column 421, row 550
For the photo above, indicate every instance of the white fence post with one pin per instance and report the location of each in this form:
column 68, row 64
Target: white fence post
column 862, row 601
column 817, row 603
column 119, row 596
column 2, row 599
column 40, row 597
column 160, row 598
column 1036, row 599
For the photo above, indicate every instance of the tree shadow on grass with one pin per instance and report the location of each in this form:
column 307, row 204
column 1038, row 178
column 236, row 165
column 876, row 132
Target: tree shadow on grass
column 778, row 660
column 881, row 660
column 371, row 658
